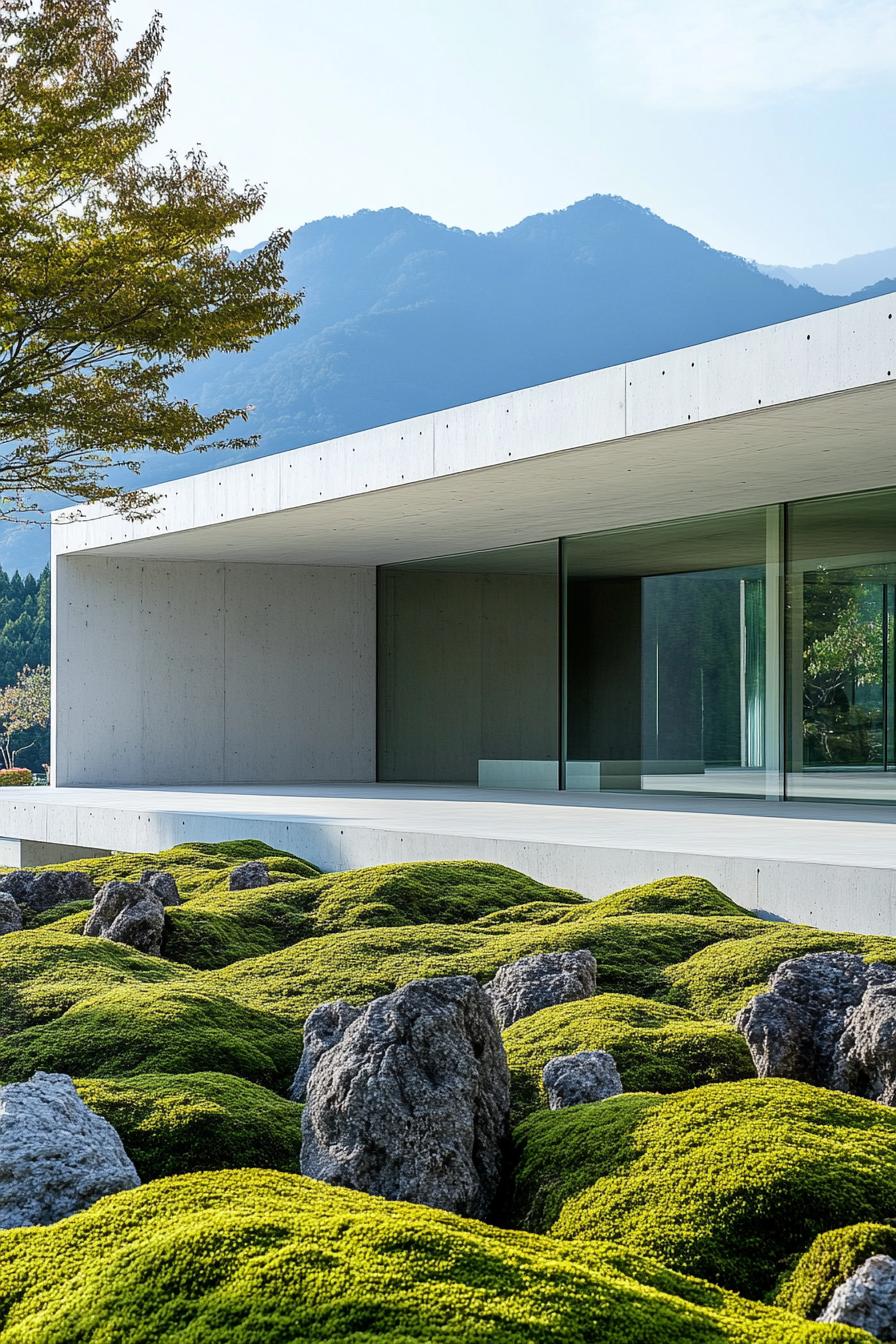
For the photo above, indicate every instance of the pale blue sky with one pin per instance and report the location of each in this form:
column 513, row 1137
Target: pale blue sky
column 766, row 127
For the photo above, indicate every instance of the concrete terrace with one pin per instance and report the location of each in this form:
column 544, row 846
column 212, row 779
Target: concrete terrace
column 824, row 864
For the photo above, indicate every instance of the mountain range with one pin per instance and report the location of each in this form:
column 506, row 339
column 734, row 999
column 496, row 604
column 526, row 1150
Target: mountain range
column 840, row 277
column 404, row 315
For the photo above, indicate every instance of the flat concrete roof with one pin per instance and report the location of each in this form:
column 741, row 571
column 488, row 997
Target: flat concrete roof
column 797, row 410
column 822, row 863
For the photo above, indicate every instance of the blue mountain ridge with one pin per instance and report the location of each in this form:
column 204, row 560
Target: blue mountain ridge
column 403, row 315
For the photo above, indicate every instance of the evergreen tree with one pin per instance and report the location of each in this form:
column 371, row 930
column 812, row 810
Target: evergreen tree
column 25, row 642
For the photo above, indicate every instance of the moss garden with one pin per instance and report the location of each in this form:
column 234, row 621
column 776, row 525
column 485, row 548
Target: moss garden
column 700, row 1205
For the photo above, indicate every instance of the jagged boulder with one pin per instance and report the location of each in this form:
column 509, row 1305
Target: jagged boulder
column 43, row 890
column 793, row 1028
column 413, row 1102
column 10, row 914
column 324, row 1027
column 827, row 1018
column 249, row 875
column 867, row 1299
column 865, row 1058
column 128, row 912
column 163, row 884
column 56, row 1156
column 590, row 1075
column 524, row 987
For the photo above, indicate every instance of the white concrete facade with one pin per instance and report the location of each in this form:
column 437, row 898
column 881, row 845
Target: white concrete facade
column 231, row 640
column 211, row 673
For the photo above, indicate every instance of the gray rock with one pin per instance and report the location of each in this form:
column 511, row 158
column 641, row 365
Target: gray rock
column 163, row 884
column 56, row 1156
column 324, row 1027
column 43, row 890
column 78, row 886
column 867, row 1299
column 793, row 1029
column 127, row 912
column 413, row 1102
column 864, row 1061
column 10, row 914
column 17, row 883
column 249, row 875
column 590, row 1075
column 524, row 987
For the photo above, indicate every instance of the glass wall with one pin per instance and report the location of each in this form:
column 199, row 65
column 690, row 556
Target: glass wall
column 469, row 669
column 691, row 656
column 668, row 648
column 841, row 597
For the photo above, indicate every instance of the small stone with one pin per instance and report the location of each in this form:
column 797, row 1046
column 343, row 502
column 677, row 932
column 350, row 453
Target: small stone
column 249, row 875
column 128, row 912
column 867, row 1299
column 10, row 914
column 413, row 1102
column 524, row 987
column 324, row 1027
column 590, row 1075
column 56, row 1156
column 163, row 884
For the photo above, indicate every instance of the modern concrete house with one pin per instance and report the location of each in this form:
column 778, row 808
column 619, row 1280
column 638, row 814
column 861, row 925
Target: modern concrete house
column 633, row 622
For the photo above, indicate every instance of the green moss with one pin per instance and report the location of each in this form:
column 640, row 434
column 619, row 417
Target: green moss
column 44, row 972
column 719, row 980
column 728, row 1181
column 214, row 930
column 39, row 919
column 631, row 953
column 198, row 868
column 426, row 893
column 248, row 1256
column 197, row 1122
column 829, row 1261
column 657, row 1048
column 684, row 895
column 164, row 1028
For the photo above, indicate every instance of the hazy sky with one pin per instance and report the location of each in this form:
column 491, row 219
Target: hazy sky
column 767, row 127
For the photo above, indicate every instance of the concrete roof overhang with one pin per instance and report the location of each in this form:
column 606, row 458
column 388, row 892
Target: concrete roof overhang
column 795, row 411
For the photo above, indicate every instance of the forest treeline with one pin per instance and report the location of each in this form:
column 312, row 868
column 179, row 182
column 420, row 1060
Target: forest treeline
column 25, row 642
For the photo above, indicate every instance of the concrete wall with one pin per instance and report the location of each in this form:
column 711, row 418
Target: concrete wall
column 195, row 672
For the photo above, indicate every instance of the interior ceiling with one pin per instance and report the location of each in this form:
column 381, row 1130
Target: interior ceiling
column 825, row 446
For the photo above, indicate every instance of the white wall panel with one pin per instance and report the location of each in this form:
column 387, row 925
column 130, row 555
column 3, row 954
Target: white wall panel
column 193, row 672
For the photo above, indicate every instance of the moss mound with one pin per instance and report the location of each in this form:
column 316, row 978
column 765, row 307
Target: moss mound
column 252, row 1255
column 197, row 1122
column 632, row 953
column 657, row 1048
column 830, row 1260
column 717, row 981
column 217, row 929
column 164, row 1028
column 728, row 1181
column 426, row 893
column 45, row 972
column 684, row 895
